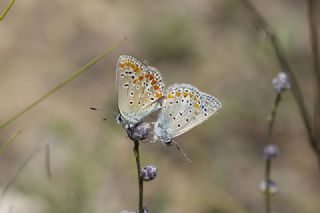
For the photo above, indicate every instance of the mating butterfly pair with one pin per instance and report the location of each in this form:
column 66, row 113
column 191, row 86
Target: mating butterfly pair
column 141, row 91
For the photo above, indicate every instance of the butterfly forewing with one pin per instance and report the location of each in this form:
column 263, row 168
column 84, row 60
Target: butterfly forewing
column 139, row 88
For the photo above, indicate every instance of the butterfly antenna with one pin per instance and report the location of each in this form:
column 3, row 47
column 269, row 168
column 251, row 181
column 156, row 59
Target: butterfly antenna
column 181, row 150
column 106, row 111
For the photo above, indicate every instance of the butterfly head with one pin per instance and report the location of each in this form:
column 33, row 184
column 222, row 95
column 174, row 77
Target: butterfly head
column 119, row 118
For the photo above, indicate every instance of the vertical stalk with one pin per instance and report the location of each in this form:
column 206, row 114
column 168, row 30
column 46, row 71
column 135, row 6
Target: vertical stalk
column 271, row 120
column 47, row 161
column 263, row 25
column 140, row 181
column 272, row 115
column 267, row 181
column 312, row 18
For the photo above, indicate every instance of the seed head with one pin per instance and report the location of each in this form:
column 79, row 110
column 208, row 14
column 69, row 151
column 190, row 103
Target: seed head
column 270, row 151
column 144, row 210
column 139, row 132
column 148, row 173
column 271, row 185
column 281, row 82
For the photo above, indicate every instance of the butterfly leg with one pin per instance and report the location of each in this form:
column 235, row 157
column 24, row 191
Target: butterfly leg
column 181, row 150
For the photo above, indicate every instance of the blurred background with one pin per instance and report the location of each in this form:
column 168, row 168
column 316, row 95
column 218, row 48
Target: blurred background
column 211, row 44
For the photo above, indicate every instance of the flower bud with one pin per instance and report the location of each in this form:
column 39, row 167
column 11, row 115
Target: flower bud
column 144, row 210
column 140, row 132
column 281, row 82
column 270, row 151
column 148, row 173
column 271, row 185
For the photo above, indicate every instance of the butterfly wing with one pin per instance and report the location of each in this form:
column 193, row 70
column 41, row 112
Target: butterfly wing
column 139, row 87
column 183, row 108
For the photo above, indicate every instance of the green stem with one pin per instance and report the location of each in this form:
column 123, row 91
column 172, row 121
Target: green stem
column 271, row 120
column 267, row 180
column 47, row 161
column 10, row 140
column 62, row 84
column 312, row 17
column 6, row 10
column 263, row 25
column 272, row 116
column 140, row 181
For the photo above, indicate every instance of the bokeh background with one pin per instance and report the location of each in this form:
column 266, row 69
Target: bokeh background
column 211, row 44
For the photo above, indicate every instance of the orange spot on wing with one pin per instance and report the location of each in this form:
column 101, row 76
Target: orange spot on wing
column 156, row 87
column 135, row 68
column 153, row 82
column 135, row 81
column 185, row 94
column 178, row 94
column 170, row 96
column 196, row 105
column 122, row 65
column 195, row 98
column 141, row 77
column 159, row 95
column 150, row 76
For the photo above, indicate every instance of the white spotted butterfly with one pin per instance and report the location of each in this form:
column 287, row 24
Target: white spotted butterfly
column 183, row 107
column 139, row 89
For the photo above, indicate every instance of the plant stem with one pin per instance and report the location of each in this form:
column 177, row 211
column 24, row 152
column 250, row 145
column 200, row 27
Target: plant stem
column 312, row 17
column 271, row 119
column 272, row 116
column 140, row 181
column 4, row 146
column 267, row 180
column 263, row 25
column 47, row 161
column 6, row 10
column 61, row 85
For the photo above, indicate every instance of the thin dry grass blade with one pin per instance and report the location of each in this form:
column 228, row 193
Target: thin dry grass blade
column 6, row 10
column 4, row 146
column 62, row 84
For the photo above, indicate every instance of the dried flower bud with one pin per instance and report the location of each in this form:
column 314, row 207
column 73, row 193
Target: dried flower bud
column 148, row 172
column 270, row 151
column 271, row 185
column 144, row 210
column 139, row 132
column 281, row 82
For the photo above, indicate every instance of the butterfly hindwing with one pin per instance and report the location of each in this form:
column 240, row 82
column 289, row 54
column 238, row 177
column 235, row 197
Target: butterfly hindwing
column 183, row 108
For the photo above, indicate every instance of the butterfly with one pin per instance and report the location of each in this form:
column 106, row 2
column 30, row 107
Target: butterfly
column 183, row 108
column 139, row 88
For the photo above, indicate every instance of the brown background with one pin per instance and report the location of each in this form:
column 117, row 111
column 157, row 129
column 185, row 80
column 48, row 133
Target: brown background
column 211, row 44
